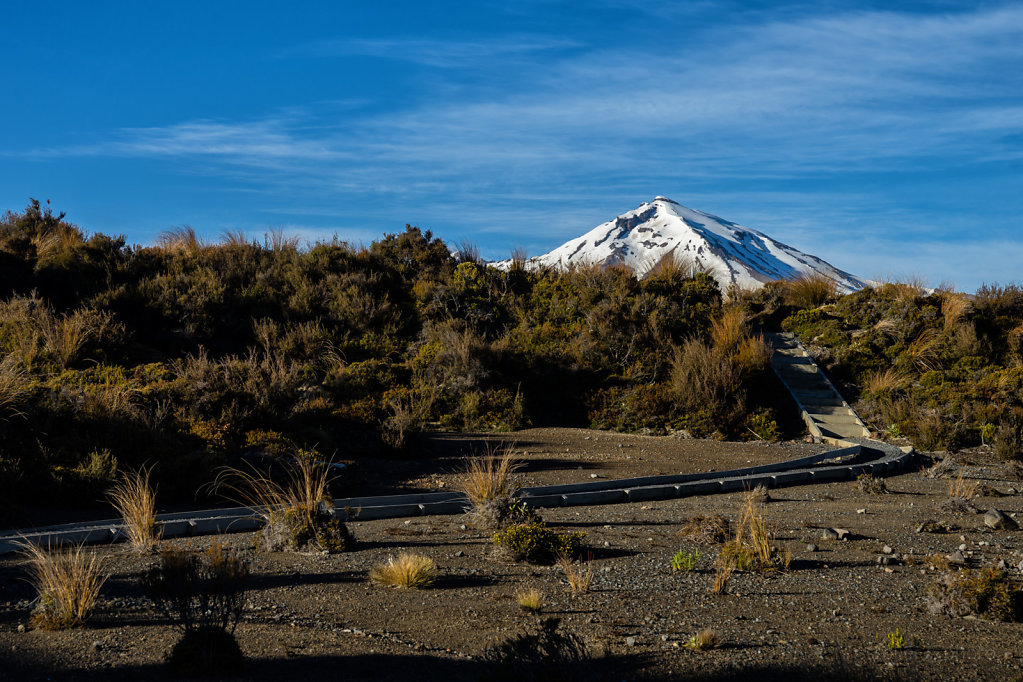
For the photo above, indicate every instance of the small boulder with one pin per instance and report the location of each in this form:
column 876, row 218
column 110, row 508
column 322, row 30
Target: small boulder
column 998, row 520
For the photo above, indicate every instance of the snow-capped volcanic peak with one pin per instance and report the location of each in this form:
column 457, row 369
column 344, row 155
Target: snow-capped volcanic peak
column 661, row 229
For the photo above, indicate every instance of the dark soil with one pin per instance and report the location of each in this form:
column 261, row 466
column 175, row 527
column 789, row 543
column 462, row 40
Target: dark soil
column 826, row 617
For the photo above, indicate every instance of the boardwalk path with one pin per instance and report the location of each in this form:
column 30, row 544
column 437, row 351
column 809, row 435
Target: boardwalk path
column 826, row 413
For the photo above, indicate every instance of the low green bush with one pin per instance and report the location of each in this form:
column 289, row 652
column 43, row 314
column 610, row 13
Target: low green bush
column 536, row 543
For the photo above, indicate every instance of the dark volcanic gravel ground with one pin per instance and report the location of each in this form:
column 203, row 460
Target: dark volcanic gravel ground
column 828, row 614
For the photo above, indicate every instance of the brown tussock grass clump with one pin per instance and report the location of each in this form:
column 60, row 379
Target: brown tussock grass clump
column 881, row 383
column 962, row 489
column 181, row 239
column 68, row 582
column 810, row 290
column 579, row 576
column 530, row 600
column 135, row 501
column 406, row 571
column 713, row 529
column 752, row 530
column 724, row 567
column 707, row 638
column 305, row 485
column 277, row 241
column 954, row 307
column 923, row 351
column 488, row 477
column 15, row 385
column 729, row 329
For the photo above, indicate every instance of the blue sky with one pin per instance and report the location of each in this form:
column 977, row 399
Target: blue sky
column 885, row 137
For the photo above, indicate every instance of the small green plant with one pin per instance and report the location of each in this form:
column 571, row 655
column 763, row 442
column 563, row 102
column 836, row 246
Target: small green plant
column 536, row 543
column 705, row 639
column 68, row 582
column 407, row 571
column 684, row 561
column 894, row 431
column 896, row 641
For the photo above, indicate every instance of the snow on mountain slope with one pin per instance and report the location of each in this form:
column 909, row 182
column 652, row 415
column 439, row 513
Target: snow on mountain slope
column 731, row 253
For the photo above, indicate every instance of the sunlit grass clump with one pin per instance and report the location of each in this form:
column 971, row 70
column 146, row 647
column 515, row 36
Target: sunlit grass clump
column 135, row 500
column 68, row 582
column 407, row 571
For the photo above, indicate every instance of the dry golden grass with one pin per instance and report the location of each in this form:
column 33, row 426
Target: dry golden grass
column 881, row 383
column 672, row 268
column 15, row 385
column 488, row 477
column 184, row 239
column 723, row 570
column 953, row 308
column 306, row 483
column 135, row 501
column 810, row 290
column 579, row 576
column 234, row 238
column 923, row 351
column 752, row 530
column 406, row 571
column 68, row 582
column 729, row 329
column 530, row 600
column 276, row 240
column 962, row 489
column 705, row 639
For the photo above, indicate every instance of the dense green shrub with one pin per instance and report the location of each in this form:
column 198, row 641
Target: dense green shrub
column 536, row 543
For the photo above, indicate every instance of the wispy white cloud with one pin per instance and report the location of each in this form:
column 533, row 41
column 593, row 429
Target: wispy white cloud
column 576, row 128
column 447, row 54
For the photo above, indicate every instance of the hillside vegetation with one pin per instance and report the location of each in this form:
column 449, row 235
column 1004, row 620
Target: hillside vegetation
column 186, row 354
column 941, row 368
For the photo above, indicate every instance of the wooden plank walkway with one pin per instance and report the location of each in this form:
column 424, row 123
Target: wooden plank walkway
column 824, row 410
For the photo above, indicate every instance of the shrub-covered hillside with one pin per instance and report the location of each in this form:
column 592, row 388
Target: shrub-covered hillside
column 186, row 354
column 942, row 368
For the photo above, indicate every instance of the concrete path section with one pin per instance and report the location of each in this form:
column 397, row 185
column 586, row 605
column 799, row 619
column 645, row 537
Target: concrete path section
column 824, row 410
column 848, row 461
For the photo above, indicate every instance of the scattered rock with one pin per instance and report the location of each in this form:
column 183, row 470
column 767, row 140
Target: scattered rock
column 97, row 645
column 630, row 641
column 998, row 520
column 886, row 550
column 861, row 511
column 943, row 469
column 842, row 533
column 884, row 560
column 829, row 534
column 811, row 548
column 956, row 558
column 21, row 627
column 459, row 553
column 936, row 527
